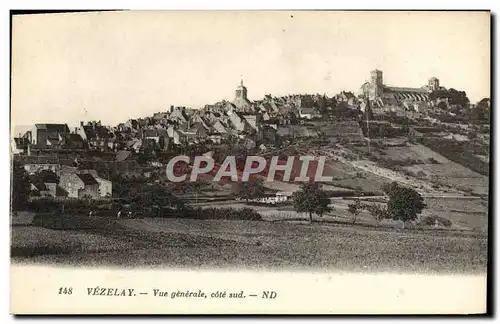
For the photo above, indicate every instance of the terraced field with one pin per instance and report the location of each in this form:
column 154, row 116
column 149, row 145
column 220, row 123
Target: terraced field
column 280, row 244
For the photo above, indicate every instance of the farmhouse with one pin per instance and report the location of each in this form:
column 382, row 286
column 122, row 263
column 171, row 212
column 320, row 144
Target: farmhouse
column 80, row 185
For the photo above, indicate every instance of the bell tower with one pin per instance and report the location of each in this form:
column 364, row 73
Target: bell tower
column 241, row 92
column 433, row 84
column 241, row 100
column 376, row 84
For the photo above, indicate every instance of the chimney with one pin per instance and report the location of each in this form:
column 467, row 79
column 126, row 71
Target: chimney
column 171, row 109
column 81, row 123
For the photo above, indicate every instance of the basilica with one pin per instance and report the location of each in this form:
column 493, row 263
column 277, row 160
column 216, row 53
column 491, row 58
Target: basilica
column 382, row 95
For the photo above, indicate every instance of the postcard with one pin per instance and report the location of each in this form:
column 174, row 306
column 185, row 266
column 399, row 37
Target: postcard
column 250, row 162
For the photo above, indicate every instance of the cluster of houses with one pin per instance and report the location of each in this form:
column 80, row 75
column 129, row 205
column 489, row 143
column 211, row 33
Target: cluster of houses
column 74, row 154
column 253, row 124
column 279, row 197
column 69, row 180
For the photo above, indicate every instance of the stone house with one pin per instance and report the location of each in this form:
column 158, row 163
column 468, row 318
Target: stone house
column 80, row 185
column 158, row 136
column 50, row 135
column 105, row 186
column 309, row 113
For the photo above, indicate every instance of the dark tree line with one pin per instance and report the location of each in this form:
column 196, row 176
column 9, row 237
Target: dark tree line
column 20, row 188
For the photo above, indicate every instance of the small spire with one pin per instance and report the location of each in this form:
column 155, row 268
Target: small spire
column 241, row 82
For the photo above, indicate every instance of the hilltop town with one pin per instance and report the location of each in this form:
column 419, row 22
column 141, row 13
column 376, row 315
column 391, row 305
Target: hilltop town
column 88, row 158
column 111, row 179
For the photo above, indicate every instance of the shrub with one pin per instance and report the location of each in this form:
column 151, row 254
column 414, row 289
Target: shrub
column 377, row 211
column 432, row 220
column 70, row 222
column 433, row 160
column 421, row 174
column 215, row 213
column 258, row 203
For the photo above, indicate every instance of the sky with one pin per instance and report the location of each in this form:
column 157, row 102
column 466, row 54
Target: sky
column 112, row 66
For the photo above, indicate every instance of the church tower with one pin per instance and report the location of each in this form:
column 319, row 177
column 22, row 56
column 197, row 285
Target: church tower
column 376, row 84
column 241, row 100
column 433, row 84
column 241, row 92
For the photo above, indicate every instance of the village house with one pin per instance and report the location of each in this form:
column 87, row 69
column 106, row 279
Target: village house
column 347, row 97
column 134, row 144
column 32, row 168
column 220, row 127
column 95, row 135
column 20, row 144
column 49, row 135
column 195, row 133
column 253, row 120
column 269, row 133
column 36, row 163
column 176, row 136
column 74, row 141
column 309, row 113
column 178, row 115
column 105, row 186
column 43, row 189
column 158, row 136
column 129, row 126
column 240, row 123
column 80, row 185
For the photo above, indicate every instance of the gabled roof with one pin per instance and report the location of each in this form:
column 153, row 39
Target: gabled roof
column 160, row 115
column 122, row 155
column 194, row 128
column 75, row 138
column 53, row 141
column 20, row 141
column 39, row 185
column 87, row 179
column 60, row 128
column 348, row 94
column 400, row 89
column 96, row 131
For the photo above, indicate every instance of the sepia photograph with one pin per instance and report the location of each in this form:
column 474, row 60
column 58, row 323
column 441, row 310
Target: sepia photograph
column 342, row 142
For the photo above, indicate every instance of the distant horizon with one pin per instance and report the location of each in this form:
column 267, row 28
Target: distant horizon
column 113, row 66
column 77, row 123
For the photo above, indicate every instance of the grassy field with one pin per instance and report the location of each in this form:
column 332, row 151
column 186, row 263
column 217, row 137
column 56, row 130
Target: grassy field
column 285, row 244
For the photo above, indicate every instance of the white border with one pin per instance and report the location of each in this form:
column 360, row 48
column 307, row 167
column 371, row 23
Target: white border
column 193, row 5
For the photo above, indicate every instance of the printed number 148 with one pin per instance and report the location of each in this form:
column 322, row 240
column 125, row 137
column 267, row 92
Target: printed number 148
column 65, row 291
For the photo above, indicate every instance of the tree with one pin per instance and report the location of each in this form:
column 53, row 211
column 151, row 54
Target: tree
column 251, row 189
column 20, row 186
column 378, row 212
column 48, row 176
column 356, row 207
column 404, row 203
column 385, row 130
column 312, row 200
column 481, row 111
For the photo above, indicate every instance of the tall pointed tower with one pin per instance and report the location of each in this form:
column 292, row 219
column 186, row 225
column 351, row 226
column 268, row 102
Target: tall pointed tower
column 241, row 100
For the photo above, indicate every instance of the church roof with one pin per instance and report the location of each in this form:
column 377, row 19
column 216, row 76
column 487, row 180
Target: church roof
column 401, row 89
